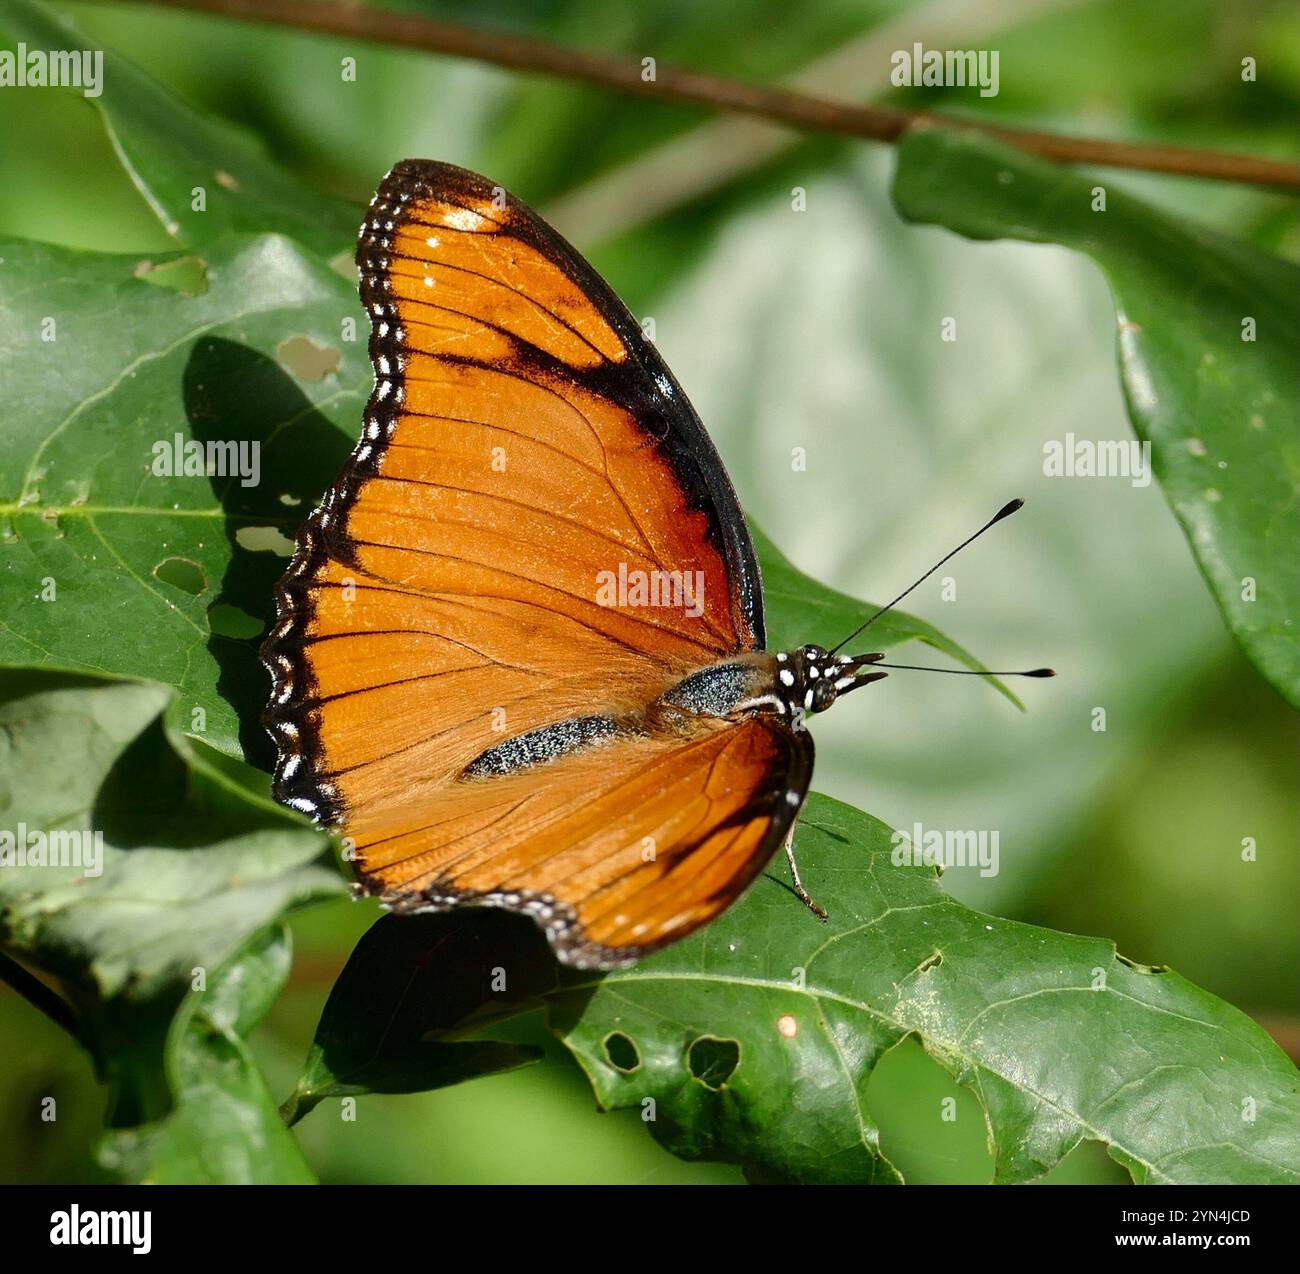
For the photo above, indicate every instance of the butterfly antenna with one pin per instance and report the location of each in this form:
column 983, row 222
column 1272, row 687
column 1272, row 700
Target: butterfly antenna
column 969, row 672
column 1004, row 512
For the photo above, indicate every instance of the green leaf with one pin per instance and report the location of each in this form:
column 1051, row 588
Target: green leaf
column 1218, row 410
column 176, row 862
column 225, row 1128
column 204, row 179
column 408, row 979
column 1061, row 1039
column 755, row 1039
column 99, row 532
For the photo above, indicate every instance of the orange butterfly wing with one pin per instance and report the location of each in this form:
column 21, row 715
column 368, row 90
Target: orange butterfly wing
column 523, row 449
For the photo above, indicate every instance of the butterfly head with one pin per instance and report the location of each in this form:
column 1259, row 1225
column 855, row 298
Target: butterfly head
column 811, row 678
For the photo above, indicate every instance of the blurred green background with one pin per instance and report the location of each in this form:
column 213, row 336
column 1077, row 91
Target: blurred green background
column 819, row 330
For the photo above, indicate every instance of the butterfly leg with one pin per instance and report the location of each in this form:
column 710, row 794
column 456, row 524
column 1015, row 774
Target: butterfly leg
column 802, row 894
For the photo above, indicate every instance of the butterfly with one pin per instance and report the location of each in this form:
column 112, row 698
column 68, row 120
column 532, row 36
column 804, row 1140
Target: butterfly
column 519, row 651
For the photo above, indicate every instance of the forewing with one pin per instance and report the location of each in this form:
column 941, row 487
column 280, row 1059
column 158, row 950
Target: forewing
column 527, row 464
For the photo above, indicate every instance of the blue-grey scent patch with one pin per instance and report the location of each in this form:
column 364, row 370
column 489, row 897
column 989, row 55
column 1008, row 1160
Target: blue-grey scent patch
column 544, row 744
column 713, row 691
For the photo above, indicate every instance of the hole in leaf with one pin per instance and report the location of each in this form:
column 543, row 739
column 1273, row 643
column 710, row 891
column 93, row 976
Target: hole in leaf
column 1139, row 966
column 621, row 1052
column 185, row 275
column 264, row 539
column 229, row 621
column 930, row 962
column 713, row 1061
column 307, row 360
column 181, row 573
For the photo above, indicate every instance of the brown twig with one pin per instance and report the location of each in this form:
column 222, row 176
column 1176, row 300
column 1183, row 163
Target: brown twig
column 1284, row 1030
column 673, row 84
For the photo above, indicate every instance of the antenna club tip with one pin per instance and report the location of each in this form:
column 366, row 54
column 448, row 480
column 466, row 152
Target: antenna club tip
column 1008, row 509
column 1042, row 672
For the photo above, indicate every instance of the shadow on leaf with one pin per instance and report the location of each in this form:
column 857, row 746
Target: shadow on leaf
column 411, row 986
column 233, row 394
